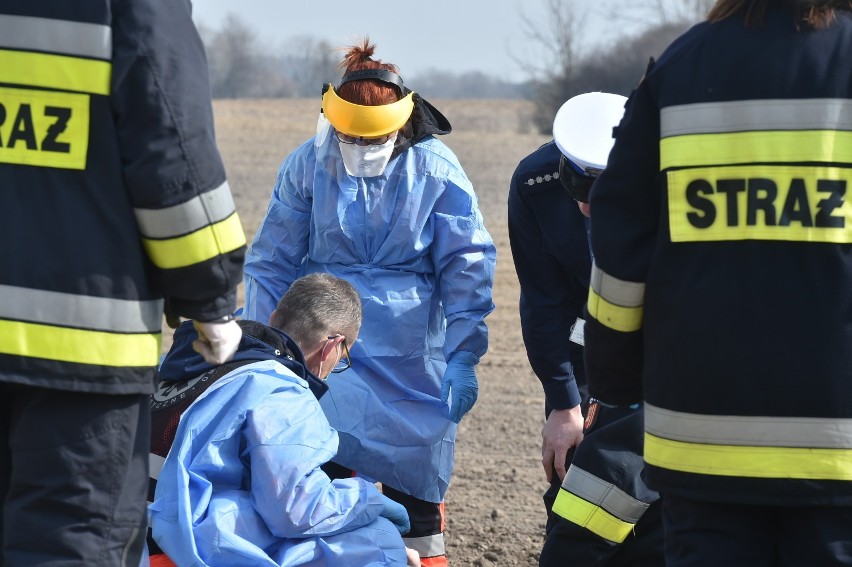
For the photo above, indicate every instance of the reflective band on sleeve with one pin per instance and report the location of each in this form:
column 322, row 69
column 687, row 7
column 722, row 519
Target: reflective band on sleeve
column 605, row 494
column 196, row 213
column 623, row 319
column 616, row 291
column 79, row 346
column 591, row 517
column 81, row 311
column 55, row 72
column 58, row 36
column 204, row 244
column 749, row 147
column 746, row 115
column 805, row 432
column 427, row 546
column 749, row 461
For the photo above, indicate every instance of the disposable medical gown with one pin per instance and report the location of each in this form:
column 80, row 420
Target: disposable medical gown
column 241, row 485
column 413, row 243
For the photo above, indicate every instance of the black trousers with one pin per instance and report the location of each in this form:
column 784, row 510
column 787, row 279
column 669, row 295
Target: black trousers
column 699, row 534
column 73, row 477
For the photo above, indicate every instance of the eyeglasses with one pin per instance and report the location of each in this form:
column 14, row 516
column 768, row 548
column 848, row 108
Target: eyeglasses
column 345, row 362
column 360, row 140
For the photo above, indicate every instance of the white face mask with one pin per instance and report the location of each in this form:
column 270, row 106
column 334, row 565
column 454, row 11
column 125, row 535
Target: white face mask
column 367, row 161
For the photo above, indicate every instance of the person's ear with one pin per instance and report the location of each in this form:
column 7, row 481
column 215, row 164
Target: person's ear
column 329, row 348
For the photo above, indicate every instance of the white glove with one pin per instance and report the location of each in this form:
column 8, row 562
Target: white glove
column 217, row 340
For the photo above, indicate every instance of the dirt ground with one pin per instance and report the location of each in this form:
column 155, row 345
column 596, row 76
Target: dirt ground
column 494, row 510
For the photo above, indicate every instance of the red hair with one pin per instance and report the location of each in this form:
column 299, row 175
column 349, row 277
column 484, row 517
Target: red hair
column 369, row 92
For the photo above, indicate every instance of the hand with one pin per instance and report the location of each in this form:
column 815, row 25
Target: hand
column 461, row 379
column 397, row 514
column 413, row 558
column 217, row 340
column 562, row 431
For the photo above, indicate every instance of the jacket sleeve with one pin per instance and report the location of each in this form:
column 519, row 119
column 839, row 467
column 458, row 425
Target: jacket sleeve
column 288, row 438
column 603, row 503
column 281, row 241
column 625, row 220
column 160, row 97
column 552, row 298
column 464, row 255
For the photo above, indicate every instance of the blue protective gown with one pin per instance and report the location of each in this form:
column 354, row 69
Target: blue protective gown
column 413, row 243
column 242, row 484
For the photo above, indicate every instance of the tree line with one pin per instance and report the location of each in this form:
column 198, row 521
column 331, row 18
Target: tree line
column 241, row 66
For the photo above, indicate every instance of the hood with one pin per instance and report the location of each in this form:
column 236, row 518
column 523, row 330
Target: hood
column 259, row 342
column 426, row 120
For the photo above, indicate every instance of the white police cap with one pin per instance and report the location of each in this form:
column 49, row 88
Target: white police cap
column 582, row 129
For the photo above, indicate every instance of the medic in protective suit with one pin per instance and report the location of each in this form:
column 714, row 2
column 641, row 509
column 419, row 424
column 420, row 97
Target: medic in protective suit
column 241, row 484
column 377, row 200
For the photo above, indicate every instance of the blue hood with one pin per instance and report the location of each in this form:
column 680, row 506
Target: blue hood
column 259, row 342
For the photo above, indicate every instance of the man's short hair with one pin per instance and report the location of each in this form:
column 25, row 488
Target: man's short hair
column 318, row 306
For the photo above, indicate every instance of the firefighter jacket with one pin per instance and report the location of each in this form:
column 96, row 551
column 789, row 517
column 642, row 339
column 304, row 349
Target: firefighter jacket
column 722, row 286
column 241, row 484
column 607, row 514
column 550, row 249
column 112, row 192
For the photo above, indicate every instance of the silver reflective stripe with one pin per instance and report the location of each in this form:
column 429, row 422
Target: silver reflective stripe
column 427, row 546
column 56, row 36
column 756, row 115
column 198, row 212
column 616, row 291
column 808, row 432
column 155, row 465
column 81, row 311
column 603, row 494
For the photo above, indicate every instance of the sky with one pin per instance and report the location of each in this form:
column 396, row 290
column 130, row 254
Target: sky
column 489, row 36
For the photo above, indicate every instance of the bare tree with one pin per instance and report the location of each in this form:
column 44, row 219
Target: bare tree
column 232, row 54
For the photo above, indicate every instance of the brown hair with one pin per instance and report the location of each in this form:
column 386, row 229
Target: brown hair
column 369, row 92
column 810, row 13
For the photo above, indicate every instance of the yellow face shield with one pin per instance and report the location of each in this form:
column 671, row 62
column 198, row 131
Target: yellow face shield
column 366, row 121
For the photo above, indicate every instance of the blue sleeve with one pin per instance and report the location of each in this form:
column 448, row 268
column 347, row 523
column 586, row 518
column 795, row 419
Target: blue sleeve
column 281, row 241
column 547, row 235
column 288, row 438
column 464, row 257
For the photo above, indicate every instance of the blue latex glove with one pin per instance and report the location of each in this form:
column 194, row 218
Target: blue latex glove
column 461, row 379
column 397, row 514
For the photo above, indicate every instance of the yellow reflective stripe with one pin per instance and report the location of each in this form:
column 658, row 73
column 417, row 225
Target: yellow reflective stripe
column 201, row 245
column 79, row 345
column 55, row 72
column 760, row 202
column 747, row 147
column 749, row 461
column 591, row 517
column 624, row 319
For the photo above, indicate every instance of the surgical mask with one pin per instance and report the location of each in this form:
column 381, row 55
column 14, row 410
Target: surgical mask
column 367, row 161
